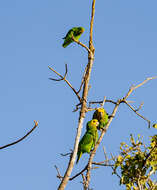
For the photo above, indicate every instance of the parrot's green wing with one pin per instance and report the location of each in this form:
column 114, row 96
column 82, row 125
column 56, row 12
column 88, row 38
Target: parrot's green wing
column 68, row 38
column 75, row 33
column 89, row 139
column 85, row 145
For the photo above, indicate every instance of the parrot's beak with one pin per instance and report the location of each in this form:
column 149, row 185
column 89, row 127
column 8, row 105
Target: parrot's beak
column 97, row 123
column 82, row 30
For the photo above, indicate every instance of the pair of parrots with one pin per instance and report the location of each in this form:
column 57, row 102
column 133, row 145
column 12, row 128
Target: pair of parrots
column 88, row 141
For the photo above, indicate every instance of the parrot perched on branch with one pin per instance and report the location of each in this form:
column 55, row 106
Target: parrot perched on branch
column 89, row 139
column 75, row 33
column 101, row 115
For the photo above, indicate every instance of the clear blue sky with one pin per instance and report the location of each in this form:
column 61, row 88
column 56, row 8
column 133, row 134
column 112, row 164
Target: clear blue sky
column 125, row 39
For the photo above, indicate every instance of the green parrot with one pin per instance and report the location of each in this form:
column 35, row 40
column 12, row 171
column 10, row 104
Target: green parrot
column 101, row 115
column 75, row 33
column 89, row 139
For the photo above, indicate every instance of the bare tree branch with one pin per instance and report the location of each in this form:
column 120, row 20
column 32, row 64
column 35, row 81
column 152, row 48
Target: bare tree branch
column 81, row 44
column 84, row 180
column 83, row 79
column 64, row 78
column 78, row 106
column 22, row 138
column 81, row 172
column 138, row 113
column 101, row 102
column 139, row 107
column 58, row 173
column 83, row 105
column 137, row 86
column 102, row 164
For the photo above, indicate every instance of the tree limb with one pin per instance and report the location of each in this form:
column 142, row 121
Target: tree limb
column 81, row 44
column 83, row 105
column 138, row 113
column 64, row 78
column 22, row 138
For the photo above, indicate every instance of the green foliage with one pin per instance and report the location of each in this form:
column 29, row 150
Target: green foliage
column 137, row 163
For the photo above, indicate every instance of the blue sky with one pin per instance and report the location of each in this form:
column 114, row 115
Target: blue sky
column 125, row 39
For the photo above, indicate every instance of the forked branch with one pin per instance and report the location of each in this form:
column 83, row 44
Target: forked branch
column 135, row 110
column 64, row 79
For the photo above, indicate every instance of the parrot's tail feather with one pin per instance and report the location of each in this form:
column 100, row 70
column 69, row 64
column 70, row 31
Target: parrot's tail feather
column 78, row 157
column 64, row 45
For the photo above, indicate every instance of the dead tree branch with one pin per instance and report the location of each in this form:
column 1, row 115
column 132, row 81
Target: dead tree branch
column 22, row 138
column 138, row 113
column 64, row 78
column 81, row 44
column 81, row 172
column 137, row 86
column 101, row 102
column 83, row 105
column 58, row 173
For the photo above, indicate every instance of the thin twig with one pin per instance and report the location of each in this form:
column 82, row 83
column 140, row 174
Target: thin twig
column 139, row 107
column 64, row 78
column 137, row 86
column 82, row 82
column 77, row 107
column 83, row 79
column 102, row 105
column 85, row 168
column 101, row 102
column 114, row 171
column 138, row 113
column 19, row 140
column 102, row 164
column 81, row 44
column 84, row 180
column 67, row 154
column 105, row 154
column 58, row 173
column 91, row 109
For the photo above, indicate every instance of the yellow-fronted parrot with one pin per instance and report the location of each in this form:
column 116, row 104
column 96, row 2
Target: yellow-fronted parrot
column 75, row 33
column 101, row 115
column 89, row 139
